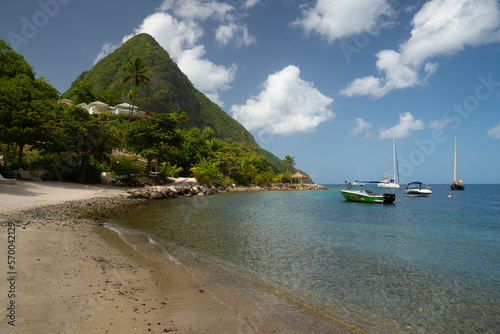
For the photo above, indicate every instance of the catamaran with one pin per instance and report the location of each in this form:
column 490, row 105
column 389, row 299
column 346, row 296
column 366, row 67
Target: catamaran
column 392, row 184
column 457, row 184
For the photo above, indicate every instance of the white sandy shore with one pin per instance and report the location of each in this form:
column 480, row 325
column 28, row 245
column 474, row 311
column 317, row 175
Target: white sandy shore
column 30, row 194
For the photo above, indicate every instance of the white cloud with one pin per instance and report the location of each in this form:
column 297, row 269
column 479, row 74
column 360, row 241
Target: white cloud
column 106, row 49
column 439, row 123
column 396, row 75
column 233, row 31
column 209, row 78
column 286, row 105
column 175, row 36
column 441, row 27
column 406, row 125
column 341, row 18
column 494, row 133
column 361, row 126
column 369, row 85
column 250, row 3
column 200, row 9
column 444, row 27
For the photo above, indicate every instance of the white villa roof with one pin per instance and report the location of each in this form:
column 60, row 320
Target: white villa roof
column 126, row 106
column 98, row 103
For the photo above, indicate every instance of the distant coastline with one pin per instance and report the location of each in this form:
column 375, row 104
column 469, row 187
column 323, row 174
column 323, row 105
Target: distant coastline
column 196, row 189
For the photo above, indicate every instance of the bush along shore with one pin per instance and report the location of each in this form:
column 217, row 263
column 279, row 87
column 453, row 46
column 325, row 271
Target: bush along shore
column 170, row 191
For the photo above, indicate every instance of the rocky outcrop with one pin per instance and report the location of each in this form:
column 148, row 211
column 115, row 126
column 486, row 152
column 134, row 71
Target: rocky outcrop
column 278, row 187
column 161, row 192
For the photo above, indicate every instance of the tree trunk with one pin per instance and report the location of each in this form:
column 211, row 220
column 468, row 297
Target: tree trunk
column 84, row 169
column 129, row 117
column 148, row 166
column 20, row 161
column 162, row 173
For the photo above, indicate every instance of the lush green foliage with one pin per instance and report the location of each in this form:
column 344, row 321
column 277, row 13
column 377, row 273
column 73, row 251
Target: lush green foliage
column 172, row 171
column 137, row 73
column 37, row 132
column 207, row 172
column 26, row 104
column 12, row 63
column 168, row 90
column 290, row 163
column 83, row 92
column 126, row 167
column 84, row 137
column 154, row 137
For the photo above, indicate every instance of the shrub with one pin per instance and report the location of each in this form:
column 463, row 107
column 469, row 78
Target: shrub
column 126, row 167
column 63, row 170
column 172, row 171
column 206, row 172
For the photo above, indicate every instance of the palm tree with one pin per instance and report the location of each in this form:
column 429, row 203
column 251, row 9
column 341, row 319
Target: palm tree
column 290, row 161
column 137, row 73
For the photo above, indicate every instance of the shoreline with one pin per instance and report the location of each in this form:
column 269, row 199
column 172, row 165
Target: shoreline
column 72, row 275
column 265, row 308
column 87, row 278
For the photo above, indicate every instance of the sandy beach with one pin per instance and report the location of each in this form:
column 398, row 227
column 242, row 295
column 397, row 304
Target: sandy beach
column 67, row 274
column 74, row 276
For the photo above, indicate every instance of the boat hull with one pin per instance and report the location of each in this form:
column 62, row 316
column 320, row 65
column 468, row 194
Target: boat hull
column 457, row 186
column 363, row 197
column 357, row 196
column 417, row 193
column 389, row 185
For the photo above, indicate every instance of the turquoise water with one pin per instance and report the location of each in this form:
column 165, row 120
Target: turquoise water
column 420, row 265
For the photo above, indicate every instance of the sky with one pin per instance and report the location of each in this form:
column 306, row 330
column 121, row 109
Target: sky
column 330, row 82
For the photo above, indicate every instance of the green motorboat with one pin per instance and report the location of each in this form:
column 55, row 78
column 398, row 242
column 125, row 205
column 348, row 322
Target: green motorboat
column 366, row 195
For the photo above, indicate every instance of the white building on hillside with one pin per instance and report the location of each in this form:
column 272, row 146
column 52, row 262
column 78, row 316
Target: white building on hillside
column 124, row 108
column 83, row 106
column 97, row 107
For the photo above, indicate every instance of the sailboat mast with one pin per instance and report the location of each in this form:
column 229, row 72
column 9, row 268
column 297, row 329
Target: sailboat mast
column 387, row 172
column 455, row 179
column 394, row 157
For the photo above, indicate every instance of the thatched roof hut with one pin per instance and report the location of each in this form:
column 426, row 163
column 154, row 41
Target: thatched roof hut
column 299, row 176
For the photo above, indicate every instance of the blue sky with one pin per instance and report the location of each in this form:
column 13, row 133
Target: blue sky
column 328, row 82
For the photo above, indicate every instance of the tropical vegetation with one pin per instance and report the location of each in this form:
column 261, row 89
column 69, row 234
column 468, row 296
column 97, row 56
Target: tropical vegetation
column 39, row 133
column 137, row 73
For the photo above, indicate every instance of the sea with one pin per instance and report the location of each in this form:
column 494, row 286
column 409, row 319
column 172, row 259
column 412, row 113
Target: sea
column 419, row 265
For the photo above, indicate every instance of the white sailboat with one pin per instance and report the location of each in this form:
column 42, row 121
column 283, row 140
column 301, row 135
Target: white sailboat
column 457, row 184
column 392, row 184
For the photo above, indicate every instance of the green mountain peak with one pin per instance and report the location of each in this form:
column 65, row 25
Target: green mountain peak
column 169, row 89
